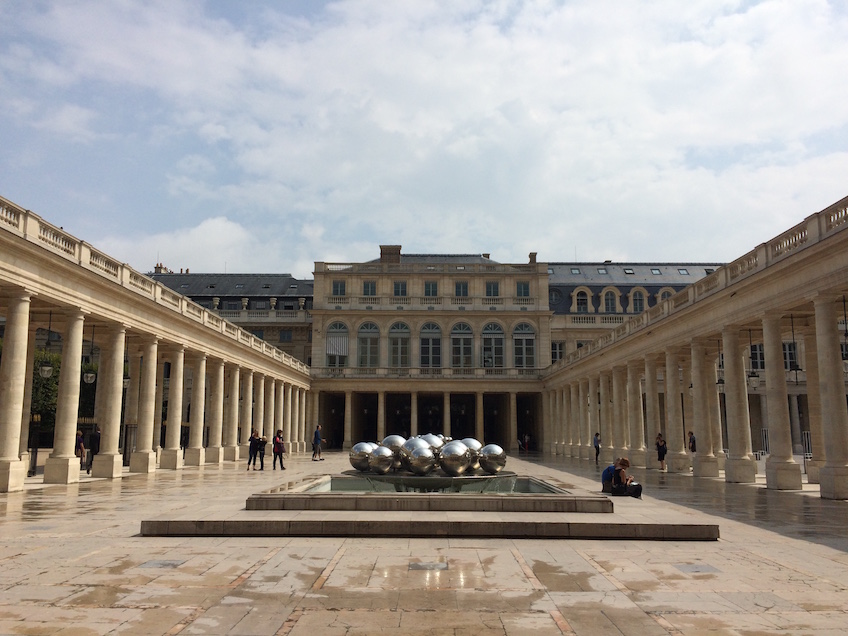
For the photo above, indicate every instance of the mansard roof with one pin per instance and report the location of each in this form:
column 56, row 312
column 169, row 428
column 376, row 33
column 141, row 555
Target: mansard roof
column 240, row 285
column 594, row 274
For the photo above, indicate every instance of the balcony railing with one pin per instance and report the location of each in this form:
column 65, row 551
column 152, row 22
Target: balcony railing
column 475, row 373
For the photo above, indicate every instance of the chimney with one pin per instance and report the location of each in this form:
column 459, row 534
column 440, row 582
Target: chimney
column 390, row 253
column 532, row 258
column 486, row 256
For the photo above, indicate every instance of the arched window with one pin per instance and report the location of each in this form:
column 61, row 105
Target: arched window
column 337, row 346
column 638, row 304
column 431, row 346
column 582, row 302
column 369, row 345
column 493, row 346
column 609, row 302
column 665, row 292
column 399, row 346
column 461, row 346
column 524, row 344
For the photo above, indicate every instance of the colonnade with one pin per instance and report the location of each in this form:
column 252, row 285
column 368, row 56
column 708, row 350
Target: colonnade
column 622, row 402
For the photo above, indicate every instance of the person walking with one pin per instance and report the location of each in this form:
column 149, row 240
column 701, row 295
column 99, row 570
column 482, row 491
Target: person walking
column 253, row 449
column 260, row 449
column 662, row 449
column 316, row 445
column 79, row 449
column 94, row 443
column 596, row 442
column 692, row 445
column 279, row 448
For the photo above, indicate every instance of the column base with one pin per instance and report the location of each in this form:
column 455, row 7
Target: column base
column 705, row 466
column 721, row 458
column 834, row 482
column 783, row 475
column 638, row 458
column 12, row 475
column 143, row 462
column 231, row 453
column 107, row 466
column 171, row 459
column 677, row 463
column 606, row 457
column 62, row 470
column 740, row 471
column 244, row 450
column 814, row 467
column 215, row 455
column 194, row 457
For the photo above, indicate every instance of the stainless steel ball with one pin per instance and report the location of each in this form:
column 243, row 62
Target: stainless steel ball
column 359, row 456
column 474, row 446
column 435, row 442
column 380, row 460
column 395, row 442
column 454, row 458
column 408, row 446
column 422, row 461
column 492, row 458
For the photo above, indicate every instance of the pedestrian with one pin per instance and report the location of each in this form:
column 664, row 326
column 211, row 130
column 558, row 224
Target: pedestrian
column 279, row 449
column 316, row 445
column 662, row 449
column 253, row 449
column 691, row 442
column 622, row 483
column 79, row 449
column 260, row 448
column 94, row 443
column 596, row 442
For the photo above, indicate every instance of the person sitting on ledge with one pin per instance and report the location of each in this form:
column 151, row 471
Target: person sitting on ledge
column 607, row 476
column 622, row 483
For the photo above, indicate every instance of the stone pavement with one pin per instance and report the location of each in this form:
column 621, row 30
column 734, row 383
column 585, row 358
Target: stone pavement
column 72, row 562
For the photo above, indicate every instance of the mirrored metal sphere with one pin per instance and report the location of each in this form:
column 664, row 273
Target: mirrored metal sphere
column 474, row 446
column 435, row 442
column 393, row 441
column 408, row 446
column 359, row 456
column 380, row 460
column 492, row 458
column 422, row 461
column 454, row 458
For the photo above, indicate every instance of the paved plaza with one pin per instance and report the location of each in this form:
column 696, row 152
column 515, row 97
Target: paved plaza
column 73, row 562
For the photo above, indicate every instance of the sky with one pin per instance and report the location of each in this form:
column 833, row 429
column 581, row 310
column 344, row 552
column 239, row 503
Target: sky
column 264, row 136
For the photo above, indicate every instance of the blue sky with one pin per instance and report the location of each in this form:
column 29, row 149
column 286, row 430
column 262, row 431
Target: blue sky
column 263, row 136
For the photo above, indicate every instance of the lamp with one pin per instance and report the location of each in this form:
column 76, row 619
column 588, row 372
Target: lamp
column 793, row 354
column 720, row 381
column 46, row 369
column 753, row 376
column 90, row 377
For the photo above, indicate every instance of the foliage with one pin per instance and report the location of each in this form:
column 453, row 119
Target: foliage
column 45, row 390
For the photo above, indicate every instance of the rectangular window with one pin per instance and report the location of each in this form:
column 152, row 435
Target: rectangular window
column 336, row 361
column 602, row 270
column 232, row 305
column 522, row 289
column 683, row 271
column 757, row 357
column 628, row 270
column 525, row 356
column 461, row 353
column 461, row 288
column 655, row 271
column 368, row 352
column 399, row 352
column 492, row 289
column 431, row 353
column 259, row 333
column 575, row 270
column 285, row 335
column 431, row 288
column 369, row 288
column 790, row 356
column 557, row 351
column 338, row 288
column 400, row 288
column 493, row 352
column 259, row 304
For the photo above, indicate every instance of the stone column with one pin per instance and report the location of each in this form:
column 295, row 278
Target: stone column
column 143, row 459
column 109, row 463
column 446, row 415
column 158, row 404
column 214, row 446
column 195, row 454
column 62, row 467
column 782, row 472
column 593, row 419
column 26, row 410
column 246, row 416
column 795, row 425
column 348, row 420
column 381, row 415
column 833, row 476
column 814, row 411
column 303, row 424
column 704, row 463
column 513, row 422
column 13, row 364
column 739, row 467
column 634, row 414
column 583, row 421
column 287, row 418
column 688, row 393
column 171, row 457
column 559, row 419
column 230, row 435
column 279, row 409
column 413, row 413
column 677, row 461
column 478, row 418
column 299, row 424
column 607, row 435
column 270, row 410
column 259, row 403
column 714, row 402
column 652, row 411
column 619, row 418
